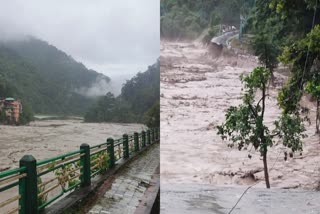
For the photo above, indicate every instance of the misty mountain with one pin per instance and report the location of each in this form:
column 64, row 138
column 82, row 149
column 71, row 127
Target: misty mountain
column 46, row 78
column 138, row 101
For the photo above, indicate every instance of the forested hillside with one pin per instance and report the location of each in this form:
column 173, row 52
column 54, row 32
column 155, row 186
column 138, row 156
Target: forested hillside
column 182, row 19
column 44, row 77
column 138, row 101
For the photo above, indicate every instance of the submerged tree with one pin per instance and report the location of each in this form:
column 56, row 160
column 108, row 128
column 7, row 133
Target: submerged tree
column 245, row 125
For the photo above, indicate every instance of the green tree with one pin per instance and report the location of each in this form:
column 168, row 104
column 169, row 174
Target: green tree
column 313, row 88
column 3, row 117
column 103, row 110
column 244, row 124
column 266, row 50
column 152, row 116
column 186, row 19
column 293, row 26
column 26, row 115
column 215, row 19
column 303, row 57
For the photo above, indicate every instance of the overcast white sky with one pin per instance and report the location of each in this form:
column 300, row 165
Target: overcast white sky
column 112, row 37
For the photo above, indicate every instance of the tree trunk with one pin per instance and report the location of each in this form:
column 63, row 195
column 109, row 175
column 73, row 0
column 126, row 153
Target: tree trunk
column 265, row 167
column 272, row 78
column 318, row 117
column 263, row 140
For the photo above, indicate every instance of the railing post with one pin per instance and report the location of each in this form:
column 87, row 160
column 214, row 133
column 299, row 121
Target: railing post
column 152, row 135
column 125, row 146
column 143, row 138
column 148, row 137
column 110, row 150
column 136, row 142
column 28, row 186
column 158, row 135
column 85, row 163
column 155, row 133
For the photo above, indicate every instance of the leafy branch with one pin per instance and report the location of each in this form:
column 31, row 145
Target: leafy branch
column 244, row 124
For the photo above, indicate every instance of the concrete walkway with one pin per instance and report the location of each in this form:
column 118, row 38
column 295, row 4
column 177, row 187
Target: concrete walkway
column 130, row 184
column 209, row 199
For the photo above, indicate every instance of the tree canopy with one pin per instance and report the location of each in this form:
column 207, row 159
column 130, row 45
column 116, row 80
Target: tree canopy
column 182, row 19
column 244, row 124
column 291, row 33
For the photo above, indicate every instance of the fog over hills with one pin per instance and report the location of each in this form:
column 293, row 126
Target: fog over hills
column 103, row 35
column 47, row 78
column 80, row 48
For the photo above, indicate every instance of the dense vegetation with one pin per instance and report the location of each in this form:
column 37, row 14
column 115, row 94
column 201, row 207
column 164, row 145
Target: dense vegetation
column 181, row 19
column 138, row 101
column 291, row 33
column 44, row 78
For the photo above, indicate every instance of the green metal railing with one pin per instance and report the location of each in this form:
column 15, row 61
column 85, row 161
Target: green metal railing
column 37, row 184
column 65, row 170
column 11, row 179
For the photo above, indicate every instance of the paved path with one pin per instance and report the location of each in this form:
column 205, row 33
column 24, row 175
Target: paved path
column 210, row 199
column 129, row 186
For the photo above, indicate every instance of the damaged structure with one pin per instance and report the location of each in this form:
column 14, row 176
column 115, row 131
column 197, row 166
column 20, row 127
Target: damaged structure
column 10, row 110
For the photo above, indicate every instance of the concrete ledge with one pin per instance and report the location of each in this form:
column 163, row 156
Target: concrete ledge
column 150, row 202
column 81, row 194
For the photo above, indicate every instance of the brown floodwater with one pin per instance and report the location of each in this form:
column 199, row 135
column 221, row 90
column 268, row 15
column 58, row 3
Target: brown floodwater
column 49, row 138
column 195, row 92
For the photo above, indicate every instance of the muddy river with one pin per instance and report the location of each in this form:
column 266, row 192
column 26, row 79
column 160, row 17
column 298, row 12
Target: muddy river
column 195, row 92
column 49, row 138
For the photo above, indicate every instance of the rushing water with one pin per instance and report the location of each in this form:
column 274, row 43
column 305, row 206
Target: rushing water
column 49, row 138
column 195, row 92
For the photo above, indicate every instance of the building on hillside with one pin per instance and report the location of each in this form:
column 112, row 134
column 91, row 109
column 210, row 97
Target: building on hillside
column 11, row 109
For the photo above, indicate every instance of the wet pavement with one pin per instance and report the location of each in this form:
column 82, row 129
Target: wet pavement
column 130, row 185
column 193, row 198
